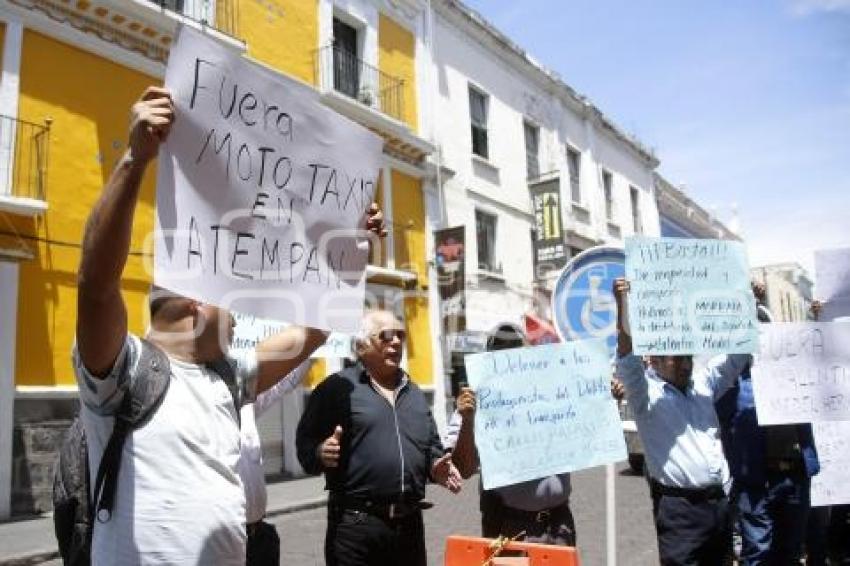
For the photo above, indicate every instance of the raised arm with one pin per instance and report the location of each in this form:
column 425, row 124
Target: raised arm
column 624, row 339
column 101, row 313
column 464, row 454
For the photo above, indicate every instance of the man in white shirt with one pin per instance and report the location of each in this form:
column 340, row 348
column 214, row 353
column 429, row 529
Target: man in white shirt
column 179, row 497
column 263, row 541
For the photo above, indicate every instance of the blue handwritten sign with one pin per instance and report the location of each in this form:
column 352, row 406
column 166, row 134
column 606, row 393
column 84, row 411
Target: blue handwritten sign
column 544, row 410
column 690, row 296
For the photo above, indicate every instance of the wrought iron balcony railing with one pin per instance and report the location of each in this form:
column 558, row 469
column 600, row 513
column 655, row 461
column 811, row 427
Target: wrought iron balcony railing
column 24, row 153
column 343, row 72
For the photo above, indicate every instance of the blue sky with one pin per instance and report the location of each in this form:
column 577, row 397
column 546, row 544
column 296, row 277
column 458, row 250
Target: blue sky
column 745, row 103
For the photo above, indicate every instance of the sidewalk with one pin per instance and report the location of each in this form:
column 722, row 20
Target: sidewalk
column 32, row 541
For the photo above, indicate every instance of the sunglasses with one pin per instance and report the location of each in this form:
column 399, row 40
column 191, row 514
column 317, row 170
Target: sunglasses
column 386, row 336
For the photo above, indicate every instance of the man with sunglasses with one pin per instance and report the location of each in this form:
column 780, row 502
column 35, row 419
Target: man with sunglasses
column 370, row 430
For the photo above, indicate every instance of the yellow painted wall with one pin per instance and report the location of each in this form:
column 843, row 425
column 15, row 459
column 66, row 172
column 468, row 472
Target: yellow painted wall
column 283, row 34
column 397, row 57
column 88, row 135
column 409, row 234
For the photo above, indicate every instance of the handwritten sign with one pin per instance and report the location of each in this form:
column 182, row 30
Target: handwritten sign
column 802, row 373
column 830, row 486
column 690, row 296
column 260, row 191
column 544, row 410
column 251, row 330
column 832, row 276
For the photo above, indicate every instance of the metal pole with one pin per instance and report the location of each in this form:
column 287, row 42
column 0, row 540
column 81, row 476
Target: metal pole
column 610, row 515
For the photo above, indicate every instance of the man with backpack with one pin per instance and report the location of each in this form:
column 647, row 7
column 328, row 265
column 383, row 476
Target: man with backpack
column 160, row 414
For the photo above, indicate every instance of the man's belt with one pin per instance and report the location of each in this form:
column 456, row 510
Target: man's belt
column 794, row 465
column 693, row 494
column 545, row 516
column 392, row 510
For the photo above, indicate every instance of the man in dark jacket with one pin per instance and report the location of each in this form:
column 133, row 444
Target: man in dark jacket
column 771, row 469
column 370, row 430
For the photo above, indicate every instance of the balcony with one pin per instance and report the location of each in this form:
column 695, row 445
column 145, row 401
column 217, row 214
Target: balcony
column 220, row 14
column 24, row 156
column 342, row 72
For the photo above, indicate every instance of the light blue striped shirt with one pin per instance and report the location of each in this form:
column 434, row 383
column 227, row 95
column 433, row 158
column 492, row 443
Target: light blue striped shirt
column 679, row 430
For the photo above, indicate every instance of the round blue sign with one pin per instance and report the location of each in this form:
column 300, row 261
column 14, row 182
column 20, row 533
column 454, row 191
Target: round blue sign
column 583, row 304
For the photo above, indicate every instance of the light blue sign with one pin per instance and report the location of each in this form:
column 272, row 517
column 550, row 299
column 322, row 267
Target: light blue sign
column 690, row 296
column 583, row 305
column 544, row 410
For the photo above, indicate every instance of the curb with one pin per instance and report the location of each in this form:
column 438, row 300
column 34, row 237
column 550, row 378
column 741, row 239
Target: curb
column 30, row 559
column 295, row 507
column 41, row 556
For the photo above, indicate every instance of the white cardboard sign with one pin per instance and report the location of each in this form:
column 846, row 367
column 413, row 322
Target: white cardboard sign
column 802, row 373
column 260, row 190
column 830, row 486
column 832, row 277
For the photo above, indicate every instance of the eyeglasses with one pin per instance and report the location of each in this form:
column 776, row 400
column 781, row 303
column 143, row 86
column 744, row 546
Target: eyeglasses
column 386, row 336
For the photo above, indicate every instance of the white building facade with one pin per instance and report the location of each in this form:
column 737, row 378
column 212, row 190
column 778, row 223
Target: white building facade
column 503, row 126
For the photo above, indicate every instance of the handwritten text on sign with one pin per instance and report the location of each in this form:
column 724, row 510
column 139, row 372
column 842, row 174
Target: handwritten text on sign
column 690, row 296
column 802, row 372
column 544, row 410
column 260, row 190
column 250, row 331
column 830, row 486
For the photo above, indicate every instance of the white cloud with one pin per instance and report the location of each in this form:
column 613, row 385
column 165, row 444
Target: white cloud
column 807, row 7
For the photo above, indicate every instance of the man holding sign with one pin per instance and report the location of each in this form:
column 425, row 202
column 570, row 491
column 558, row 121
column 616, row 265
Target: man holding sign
column 674, row 410
column 179, row 499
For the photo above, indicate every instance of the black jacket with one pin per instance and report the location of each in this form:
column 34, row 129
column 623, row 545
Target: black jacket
column 386, row 452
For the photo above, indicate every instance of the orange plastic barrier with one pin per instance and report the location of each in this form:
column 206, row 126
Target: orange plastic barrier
column 474, row 551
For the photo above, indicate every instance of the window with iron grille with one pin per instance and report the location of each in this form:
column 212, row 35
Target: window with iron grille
column 636, row 225
column 574, row 168
column 485, row 228
column 346, row 63
column 532, row 150
column 608, row 189
column 478, row 118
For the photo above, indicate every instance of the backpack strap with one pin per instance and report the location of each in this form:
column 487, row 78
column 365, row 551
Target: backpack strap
column 142, row 398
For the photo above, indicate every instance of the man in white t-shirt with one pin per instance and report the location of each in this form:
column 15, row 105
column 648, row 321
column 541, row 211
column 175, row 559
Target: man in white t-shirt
column 179, row 498
column 263, row 540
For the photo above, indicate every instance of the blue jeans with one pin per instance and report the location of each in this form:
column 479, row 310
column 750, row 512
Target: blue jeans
column 772, row 519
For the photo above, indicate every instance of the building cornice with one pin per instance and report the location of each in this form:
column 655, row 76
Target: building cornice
column 512, row 54
column 679, row 207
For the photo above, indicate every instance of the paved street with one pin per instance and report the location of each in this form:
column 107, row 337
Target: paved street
column 303, row 533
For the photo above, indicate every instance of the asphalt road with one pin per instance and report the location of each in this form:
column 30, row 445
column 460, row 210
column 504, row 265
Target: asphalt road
column 302, row 534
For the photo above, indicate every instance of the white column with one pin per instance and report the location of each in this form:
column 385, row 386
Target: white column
column 8, row 330
column 389, row 241
column 433, row 221
column 9, row 90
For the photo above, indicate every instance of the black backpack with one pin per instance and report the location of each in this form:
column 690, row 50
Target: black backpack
column 73, row 509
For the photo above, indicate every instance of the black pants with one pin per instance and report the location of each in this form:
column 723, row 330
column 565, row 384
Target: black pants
column 357, row 538
column 555, row 526
column 263, row 545
column 693, row 532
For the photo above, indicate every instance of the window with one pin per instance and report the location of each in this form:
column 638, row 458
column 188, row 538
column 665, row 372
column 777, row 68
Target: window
column 346, row 63
column 635, row 210
column 608, row 188
column 532, row 150
column 574, row 168
column 478, row 118
column 485, row 228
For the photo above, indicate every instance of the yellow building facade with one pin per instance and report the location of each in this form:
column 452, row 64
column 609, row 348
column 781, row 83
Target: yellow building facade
column 71, row 70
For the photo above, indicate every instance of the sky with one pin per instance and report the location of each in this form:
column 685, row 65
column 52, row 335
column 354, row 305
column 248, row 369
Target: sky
column 746, row 104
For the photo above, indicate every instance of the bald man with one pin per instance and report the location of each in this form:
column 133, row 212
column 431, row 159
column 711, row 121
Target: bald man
column 370, row 430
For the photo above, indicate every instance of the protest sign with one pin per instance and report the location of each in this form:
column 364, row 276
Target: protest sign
column 251, row 330
column 544, row 410
column 802, row 372
column 260, row 190
column 690, row 296
column 830, row 485
column 832, row 279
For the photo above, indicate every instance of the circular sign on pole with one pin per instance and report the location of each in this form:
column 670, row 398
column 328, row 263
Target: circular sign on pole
column 583, row 304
